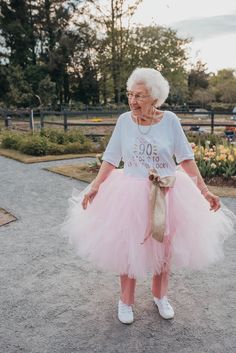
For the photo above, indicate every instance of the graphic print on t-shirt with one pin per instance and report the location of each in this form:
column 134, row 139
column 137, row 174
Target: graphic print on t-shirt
column 145, row 154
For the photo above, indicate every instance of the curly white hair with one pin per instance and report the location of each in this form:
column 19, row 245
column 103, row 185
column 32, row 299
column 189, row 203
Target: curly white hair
column 157, row 85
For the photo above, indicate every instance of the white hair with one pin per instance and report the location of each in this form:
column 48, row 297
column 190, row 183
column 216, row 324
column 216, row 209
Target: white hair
column 157, row 85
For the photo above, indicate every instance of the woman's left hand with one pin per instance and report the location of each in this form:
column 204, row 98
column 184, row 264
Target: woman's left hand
column 213, row 200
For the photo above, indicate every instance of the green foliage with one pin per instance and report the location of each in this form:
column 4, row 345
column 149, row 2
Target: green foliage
column 54, row 148
column 74, row 147
column 206, row 169
column 19, row 93
column 47, row 91
column 33, row 145
column 216, row 106
column 54, row 136
column 48, row 141
column 103, row 142
column 10, row 140
column 17, row 28
column 205, row 139
column 60, row 137
column 78, row 147
column 224, row 86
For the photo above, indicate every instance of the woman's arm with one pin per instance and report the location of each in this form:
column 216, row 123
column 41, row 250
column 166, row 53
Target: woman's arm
column 191, row 168
column 103, row 173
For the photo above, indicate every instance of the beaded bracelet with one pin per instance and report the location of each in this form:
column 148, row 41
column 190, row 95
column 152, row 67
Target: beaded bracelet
column 204, row 189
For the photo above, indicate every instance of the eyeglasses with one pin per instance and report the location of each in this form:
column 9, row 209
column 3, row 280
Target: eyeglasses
column 138, row 97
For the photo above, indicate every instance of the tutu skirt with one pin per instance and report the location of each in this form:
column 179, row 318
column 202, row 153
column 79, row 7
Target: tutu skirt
column 110, row 233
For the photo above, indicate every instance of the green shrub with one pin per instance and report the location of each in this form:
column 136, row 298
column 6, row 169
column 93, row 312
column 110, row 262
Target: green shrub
column 54, row 148
column 61, row 137
column 54, row 136
column 34, row 146
column 74, row 136
column 205, row 139
column 11, row 141
column 216, row 106
column 103, row 142
column 78, row 147
column 86, row 146
column 74, row 147
column 49, row 141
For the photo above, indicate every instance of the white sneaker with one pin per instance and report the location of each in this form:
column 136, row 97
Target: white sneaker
column 164, row 307
column 125, row 313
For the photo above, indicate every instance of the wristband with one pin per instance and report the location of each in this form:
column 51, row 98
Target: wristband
column 204, row 190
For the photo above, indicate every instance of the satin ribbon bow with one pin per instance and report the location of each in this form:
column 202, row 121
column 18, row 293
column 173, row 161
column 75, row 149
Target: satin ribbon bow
column 157, row 202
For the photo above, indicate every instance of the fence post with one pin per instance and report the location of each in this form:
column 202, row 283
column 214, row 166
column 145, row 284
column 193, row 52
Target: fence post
column 8, row 120
column 65, row 120
column 41, row 119
column 31, row 119
column 212, row 121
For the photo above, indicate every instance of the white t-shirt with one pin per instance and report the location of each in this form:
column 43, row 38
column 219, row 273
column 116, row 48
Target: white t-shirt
column 143, row 147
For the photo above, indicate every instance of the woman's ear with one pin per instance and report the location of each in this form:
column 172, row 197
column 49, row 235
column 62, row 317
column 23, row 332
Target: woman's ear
column 155, row 103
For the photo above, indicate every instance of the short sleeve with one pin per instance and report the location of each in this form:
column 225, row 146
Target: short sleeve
column 182, row 148
column 113, row 152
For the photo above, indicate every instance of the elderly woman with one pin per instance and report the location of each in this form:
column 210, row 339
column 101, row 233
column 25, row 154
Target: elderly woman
column 151, row 214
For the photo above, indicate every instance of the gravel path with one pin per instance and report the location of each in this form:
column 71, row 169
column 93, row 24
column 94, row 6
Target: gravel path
column 52, row 301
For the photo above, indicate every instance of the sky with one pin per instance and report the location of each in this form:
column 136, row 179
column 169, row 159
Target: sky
column 211, row 25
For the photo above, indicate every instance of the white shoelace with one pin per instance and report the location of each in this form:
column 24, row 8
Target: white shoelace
column 165, row 304
column 124, row 308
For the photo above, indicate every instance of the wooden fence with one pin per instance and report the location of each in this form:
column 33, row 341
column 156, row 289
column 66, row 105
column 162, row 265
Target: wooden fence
column 30, row 119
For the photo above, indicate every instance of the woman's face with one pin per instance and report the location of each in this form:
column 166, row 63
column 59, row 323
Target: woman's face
column 140, row 100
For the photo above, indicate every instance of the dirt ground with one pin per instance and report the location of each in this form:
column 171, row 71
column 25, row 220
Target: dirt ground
column 53, row 302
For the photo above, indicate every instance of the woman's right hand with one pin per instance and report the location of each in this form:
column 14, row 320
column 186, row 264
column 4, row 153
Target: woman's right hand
column 89, row 196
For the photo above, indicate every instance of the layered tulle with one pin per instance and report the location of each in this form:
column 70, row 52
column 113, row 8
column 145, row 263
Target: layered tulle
column 111, row 231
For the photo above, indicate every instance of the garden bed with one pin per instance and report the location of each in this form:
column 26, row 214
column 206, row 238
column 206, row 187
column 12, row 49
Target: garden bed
column 47, row 145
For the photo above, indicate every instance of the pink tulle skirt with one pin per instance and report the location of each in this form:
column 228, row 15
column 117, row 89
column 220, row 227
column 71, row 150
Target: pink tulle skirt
column 111, row 231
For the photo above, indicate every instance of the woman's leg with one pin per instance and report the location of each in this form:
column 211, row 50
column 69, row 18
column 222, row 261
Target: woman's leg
column 160, row 284
column 127, row 289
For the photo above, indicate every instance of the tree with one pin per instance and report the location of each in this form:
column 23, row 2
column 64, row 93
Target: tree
column 19, row 93
column 17, row 29
column 113, row 22
column 58, row 42
column 160, row 48
column 223, row 84
column 198, row 78
column 47, row 91
column 39, row 36
column 203, row 96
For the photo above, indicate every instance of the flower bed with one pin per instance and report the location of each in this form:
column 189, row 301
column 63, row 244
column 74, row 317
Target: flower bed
column 217, row 163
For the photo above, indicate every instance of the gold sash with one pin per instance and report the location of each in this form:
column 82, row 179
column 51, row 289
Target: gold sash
column 157, row 202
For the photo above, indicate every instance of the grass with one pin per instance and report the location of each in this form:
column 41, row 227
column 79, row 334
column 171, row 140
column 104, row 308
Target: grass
column 79, row 172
